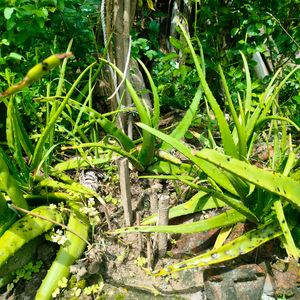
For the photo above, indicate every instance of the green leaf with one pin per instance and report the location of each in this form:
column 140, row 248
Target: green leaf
column 227, row 139
column 181, row 129
column 176, row 43
column 199, row 202
column 274, row 182
column 156, row 104
column 244, row 244
column 207, row 167
column 8, row 11
column 16, row 56
column 297, row 98
column 227, row 218
column 234, row 31
column 147, row 151
column 38, row 152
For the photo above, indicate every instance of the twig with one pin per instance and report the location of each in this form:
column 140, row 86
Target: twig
column 284, row 29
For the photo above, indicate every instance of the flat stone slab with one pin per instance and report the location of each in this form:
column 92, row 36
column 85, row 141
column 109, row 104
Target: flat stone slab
column 234, row 283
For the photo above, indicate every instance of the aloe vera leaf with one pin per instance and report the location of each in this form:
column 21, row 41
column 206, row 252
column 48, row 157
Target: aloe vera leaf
column 26, row 229
column 262, row 121
column 66, row 256
column 168, row 157
column 79, row 162
column 212, row 171
column 37, row 72
column 199, row 202
column 227, row 199
column 243, row 244
column 7, row 216
column 248, row 98
column 74, row 187
column 147, row 151
column 290, row 244
column 266, row 101
column 227, row 218
column 9, row 126
column 38, row 152
column 227, row 138
column 108, row 126
column 242, row 136
column 24, row 138
column 10, row 185
column 111, row 129
column 81, row 111
column 265, row 98
column 116, row 149
column 274, row 182
column 222, row 237
column 16, row 141
column 156, row 102
column 266, row 109
column 184, row 124
column 166, row 167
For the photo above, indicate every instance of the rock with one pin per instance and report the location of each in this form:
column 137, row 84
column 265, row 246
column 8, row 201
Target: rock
column 286, row 275
column 230, row 283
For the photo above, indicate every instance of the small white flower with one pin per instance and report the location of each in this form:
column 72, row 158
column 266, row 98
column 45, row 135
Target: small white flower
column 52, row 206
column 59, row 237
column 91, row 202
column 56, row 293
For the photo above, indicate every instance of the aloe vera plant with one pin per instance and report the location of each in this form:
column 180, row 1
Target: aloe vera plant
column 249, row 191
column 17, row 177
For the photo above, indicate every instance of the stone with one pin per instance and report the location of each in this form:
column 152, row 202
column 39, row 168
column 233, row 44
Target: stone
column 234, row 283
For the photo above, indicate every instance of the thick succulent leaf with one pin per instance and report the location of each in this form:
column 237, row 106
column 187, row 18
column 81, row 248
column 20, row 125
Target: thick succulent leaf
column 243, row 244
column 166, row 167
column 200, row 201
column 227, row 139
column 213, row 172
column 274, row 182
column 156, row 102
column 78, row 162
column 227, row 218
column 183, row 126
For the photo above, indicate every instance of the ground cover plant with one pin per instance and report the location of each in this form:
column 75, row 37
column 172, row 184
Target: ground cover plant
column 222, row 167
